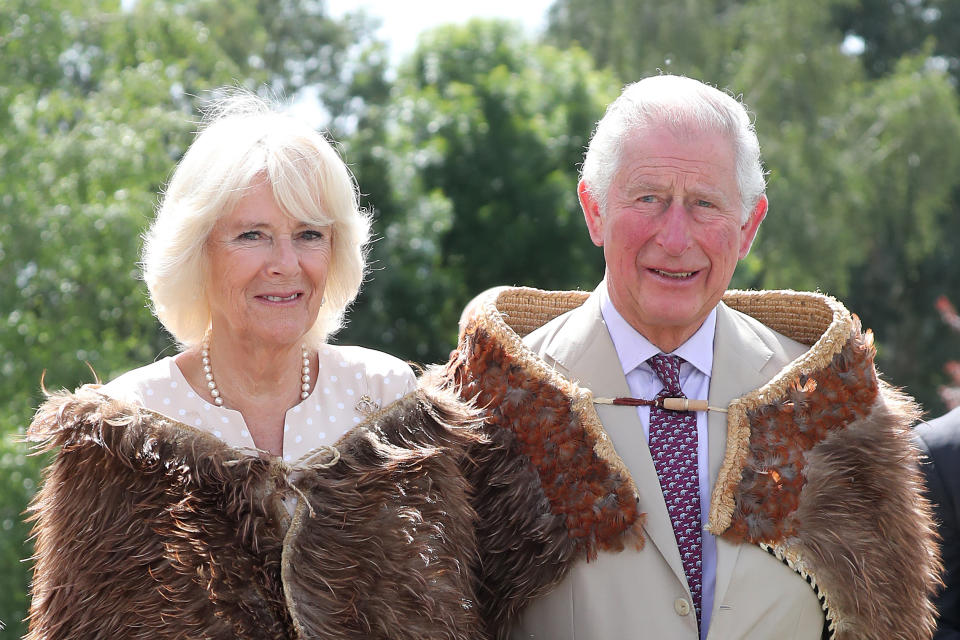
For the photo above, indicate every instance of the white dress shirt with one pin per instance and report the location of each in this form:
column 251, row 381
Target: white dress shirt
column 634, row 350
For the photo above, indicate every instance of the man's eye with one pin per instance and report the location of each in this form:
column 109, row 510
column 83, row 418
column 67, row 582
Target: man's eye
column 647, row 198
column 704, row 203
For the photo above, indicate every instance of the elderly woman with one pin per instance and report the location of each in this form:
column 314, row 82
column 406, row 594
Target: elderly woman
column 256, row 251
column 228, row 491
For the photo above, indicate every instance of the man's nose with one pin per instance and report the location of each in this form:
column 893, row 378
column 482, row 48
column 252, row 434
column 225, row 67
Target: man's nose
column 674, row 233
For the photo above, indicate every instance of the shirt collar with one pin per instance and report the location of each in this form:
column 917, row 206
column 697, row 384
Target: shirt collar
column 633, row 349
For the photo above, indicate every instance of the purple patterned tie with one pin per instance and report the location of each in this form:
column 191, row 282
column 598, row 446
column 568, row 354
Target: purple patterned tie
column 673, row 446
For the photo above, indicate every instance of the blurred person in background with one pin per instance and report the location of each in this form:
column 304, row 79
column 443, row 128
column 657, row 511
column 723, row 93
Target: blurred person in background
column 940, row 441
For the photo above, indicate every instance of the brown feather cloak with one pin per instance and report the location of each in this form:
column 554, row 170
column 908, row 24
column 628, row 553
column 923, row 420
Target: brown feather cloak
column 820, row 468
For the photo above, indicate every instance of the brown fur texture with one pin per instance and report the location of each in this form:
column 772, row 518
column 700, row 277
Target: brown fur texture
column 829, row 483
column 429, row 526
column 146, row 528
column 863, row 529
column 544, row 499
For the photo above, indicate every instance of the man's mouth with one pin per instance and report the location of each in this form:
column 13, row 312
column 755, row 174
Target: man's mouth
column 678, row 275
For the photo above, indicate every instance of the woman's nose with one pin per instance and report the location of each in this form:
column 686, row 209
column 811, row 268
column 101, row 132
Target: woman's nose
column 283, row 256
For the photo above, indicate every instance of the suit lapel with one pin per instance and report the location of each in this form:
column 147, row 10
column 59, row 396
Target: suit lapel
column 739, row 360
column 584, row 352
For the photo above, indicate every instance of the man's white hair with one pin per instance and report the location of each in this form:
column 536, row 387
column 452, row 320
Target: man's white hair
column 686, row 106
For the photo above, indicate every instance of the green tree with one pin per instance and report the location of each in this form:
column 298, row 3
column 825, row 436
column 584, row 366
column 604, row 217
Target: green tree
column 911, row 169
column 863, row 174
column 892, row 29
column 928, row 33
column 801, row 86
column 472, row 174
column 637, row 38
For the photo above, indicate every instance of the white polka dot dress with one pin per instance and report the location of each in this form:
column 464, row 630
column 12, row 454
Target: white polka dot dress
column 351, row 383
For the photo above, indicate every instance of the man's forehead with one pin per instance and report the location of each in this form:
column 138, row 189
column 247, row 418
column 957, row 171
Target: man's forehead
column 654, row 156
column 679, row 132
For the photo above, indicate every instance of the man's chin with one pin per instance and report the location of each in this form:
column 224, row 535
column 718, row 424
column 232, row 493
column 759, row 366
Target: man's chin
column 668, row 314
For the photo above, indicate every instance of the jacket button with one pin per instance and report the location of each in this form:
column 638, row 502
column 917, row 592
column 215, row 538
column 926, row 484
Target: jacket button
column 681, row 606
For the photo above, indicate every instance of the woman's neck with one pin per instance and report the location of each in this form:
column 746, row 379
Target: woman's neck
column 260, row 381
column 255, row 371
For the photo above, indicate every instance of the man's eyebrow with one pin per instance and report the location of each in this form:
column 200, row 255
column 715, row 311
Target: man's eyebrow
column 707, row 193
column 697, row 191
column 643, row 184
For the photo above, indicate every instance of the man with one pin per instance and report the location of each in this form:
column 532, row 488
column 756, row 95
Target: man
column 940, row 440
column 786, row 504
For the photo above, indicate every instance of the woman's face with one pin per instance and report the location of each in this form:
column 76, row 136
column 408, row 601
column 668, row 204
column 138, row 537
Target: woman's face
column 266, row 271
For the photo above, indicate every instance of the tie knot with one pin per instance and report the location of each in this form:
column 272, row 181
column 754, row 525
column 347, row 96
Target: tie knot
column 667, row 369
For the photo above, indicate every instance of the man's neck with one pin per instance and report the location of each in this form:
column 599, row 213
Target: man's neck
column 633, row 347
column 668, row 341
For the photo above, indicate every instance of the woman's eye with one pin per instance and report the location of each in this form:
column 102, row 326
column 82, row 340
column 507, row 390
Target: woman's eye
column 312, row 234
column 249, row 235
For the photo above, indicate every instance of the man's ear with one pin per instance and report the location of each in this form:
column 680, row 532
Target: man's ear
column 591, row 213
column 748, row 231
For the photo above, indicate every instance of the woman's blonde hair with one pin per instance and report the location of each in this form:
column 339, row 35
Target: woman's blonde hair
column 244, row 140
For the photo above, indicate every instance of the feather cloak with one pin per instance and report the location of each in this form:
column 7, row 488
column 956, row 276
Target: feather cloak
column 820, row 468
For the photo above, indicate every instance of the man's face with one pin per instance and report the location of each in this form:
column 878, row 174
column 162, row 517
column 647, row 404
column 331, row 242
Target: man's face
column 672, row 232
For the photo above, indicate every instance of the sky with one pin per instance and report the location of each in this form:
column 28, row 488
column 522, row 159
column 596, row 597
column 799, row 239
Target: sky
column 403, row 21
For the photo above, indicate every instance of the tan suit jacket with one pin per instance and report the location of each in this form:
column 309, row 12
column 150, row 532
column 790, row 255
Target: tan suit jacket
column 644, row 594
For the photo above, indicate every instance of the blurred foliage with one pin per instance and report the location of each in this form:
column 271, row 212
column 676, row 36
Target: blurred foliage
column 470, row 167
column 637, row 38
column 468, row 158
column 893, row 29
column 950, row 392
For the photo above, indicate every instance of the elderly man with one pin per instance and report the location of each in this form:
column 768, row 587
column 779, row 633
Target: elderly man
column 708, row 463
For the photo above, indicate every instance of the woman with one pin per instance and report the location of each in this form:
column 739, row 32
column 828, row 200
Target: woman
column 225, row 491
column 255, row 253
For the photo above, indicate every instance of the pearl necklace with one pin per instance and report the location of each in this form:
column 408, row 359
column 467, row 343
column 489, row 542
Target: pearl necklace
column 212, row 384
